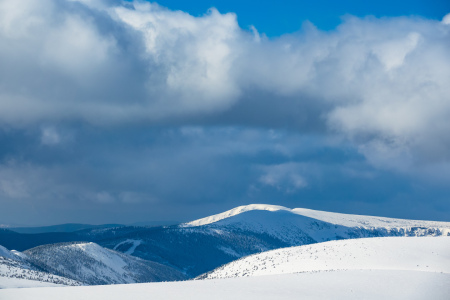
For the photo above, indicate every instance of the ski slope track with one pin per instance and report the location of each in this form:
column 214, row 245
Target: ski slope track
column 424, row 254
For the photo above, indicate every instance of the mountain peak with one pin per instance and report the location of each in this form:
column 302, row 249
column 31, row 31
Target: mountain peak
column 348, row 220
column 233, row 212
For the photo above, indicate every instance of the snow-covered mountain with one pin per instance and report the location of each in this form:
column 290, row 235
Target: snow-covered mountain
column 304, row 226
column 92, row 264
column 426, row 254
column 299, row 217
column 17, row 271
column 202, row 245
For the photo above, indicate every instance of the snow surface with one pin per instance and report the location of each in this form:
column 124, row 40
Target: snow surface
column 428, row 254
column 10, row 283
column 354, row 284
column 347, row 220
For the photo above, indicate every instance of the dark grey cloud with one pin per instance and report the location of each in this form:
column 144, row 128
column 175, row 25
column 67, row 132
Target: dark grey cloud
column 128, row 111
column 140, row 173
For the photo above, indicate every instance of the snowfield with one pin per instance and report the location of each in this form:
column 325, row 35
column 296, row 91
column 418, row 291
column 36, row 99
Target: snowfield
column 354, row 284
column 426, row 254
column 371, row 268
column 11, row 282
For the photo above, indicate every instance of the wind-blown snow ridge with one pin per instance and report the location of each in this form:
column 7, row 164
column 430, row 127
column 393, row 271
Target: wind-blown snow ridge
column 347, row 220
column 429, row 254
column 233, row 212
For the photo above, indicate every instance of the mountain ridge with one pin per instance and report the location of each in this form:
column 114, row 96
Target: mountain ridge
column 202, row 245
column 353, row 220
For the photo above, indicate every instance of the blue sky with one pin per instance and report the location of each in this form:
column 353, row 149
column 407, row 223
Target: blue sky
column 275, row 18
column 122, row 112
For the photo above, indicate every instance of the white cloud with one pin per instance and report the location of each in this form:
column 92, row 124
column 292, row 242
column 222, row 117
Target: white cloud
column 446, row 19
column 104, row 197
column 392, row 54
column 13, row 188
column 18, row 181
column 197, row 54
column 49, row 136
column 372, row 80
column 285, row 177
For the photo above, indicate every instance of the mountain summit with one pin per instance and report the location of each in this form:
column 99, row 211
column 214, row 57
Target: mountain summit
column 348, row 220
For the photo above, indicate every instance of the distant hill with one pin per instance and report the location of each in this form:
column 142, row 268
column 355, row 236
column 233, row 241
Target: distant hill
column 69, row 227
column 17, row 271
column 92, row 264
column 23, row 241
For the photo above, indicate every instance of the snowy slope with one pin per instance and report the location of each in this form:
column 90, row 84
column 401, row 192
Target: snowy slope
column 346, row 220
column 6, row 253
column 428, row 254
column 93, row 264
column 303, row 226
column 17, row 271
column 233, row 212
column 350, row 285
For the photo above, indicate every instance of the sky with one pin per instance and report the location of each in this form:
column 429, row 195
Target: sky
column 132, row 111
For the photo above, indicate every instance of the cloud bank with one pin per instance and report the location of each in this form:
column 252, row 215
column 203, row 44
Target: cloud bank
column 86, row 70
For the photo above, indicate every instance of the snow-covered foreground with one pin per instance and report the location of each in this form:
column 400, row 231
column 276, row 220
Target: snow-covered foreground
column 11, row 282
column 355, row 284
column 429, row 254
